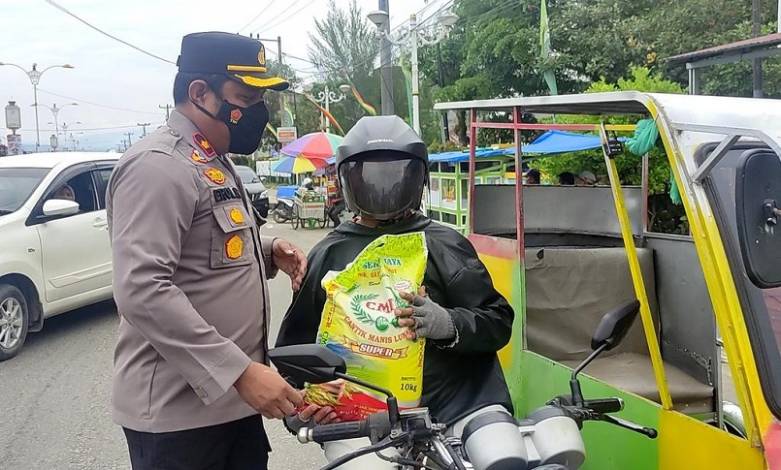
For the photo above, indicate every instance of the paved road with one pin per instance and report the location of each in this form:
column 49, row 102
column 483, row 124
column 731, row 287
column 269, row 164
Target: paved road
column 54, row 396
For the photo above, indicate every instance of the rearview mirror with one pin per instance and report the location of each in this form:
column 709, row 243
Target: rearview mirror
column 757, row 209
column 307, row 363
column 60, row 207
column 614, row 326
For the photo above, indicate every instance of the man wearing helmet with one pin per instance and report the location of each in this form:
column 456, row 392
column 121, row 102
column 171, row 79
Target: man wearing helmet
column 382, row 167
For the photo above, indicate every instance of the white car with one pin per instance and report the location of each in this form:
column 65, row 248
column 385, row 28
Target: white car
column 56, row 254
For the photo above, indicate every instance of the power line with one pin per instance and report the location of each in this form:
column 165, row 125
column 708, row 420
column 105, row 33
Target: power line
column 71, row 14
column 281, row 14
column 288, row 18
column 447, row 5
column 264, row 10
column 95, row 104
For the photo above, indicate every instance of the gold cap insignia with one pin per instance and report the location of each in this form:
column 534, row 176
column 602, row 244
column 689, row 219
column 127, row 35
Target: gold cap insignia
column 262, row 56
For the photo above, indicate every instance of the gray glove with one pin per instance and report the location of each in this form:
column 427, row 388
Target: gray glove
column 432, row 320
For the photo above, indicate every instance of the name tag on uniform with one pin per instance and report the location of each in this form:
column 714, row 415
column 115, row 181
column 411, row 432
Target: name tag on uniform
column 226, row 194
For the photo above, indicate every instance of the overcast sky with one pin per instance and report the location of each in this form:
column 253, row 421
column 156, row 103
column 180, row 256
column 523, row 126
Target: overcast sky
column 113, row 75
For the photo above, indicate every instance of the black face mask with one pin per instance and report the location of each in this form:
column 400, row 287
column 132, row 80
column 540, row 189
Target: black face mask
column 246, row 125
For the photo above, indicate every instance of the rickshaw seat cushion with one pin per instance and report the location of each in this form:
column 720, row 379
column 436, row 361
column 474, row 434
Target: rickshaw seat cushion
column 570, row 289
column 634, row 373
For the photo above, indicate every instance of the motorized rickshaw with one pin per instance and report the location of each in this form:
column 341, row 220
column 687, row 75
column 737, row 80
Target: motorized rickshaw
column 703, row 366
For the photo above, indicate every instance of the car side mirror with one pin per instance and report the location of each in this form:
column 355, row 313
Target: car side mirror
column 60, row 207
column 307, row 363
column 614, row 325
column 757, row 210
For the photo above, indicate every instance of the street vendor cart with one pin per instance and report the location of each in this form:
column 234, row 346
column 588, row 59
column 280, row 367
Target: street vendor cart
column 309, row 209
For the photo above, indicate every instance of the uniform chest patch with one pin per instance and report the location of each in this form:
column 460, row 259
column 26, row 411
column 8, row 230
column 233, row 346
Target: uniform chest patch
column 204, row 145
column 198, row 158
column 236, row 216
column 226, row 194
column 214, row 175
column 234, row 246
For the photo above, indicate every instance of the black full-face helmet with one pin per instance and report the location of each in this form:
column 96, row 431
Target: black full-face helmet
column 382, row 166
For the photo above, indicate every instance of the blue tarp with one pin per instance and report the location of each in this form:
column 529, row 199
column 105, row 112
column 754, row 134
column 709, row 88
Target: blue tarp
column 286, row 192
column 454, row 157
column 551, row 142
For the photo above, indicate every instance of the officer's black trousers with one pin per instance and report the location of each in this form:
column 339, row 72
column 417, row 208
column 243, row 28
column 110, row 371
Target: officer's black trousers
column 238, row 445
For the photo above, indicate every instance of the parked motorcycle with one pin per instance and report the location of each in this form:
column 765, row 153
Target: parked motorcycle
column 283, row 210
column 548, row 439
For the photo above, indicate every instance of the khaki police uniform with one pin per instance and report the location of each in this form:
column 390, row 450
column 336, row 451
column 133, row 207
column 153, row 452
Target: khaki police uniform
column 189, row 281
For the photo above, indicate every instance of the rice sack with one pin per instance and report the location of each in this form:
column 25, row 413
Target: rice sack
column 359, row 324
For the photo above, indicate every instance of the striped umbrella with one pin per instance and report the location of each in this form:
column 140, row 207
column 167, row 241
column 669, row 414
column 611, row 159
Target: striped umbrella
column 298, row 165
column 314, row 146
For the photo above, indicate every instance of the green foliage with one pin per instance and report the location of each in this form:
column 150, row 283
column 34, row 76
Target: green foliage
column 628, row 165
column 493, row 51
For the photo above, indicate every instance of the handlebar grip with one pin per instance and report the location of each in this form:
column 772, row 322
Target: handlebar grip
column 605, row 405
column 338, row 431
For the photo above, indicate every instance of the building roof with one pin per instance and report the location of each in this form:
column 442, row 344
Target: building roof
column 733, row 48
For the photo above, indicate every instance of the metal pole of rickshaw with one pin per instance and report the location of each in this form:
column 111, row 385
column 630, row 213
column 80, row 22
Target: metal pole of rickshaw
column 519, row 186
column 637, row 274
column 472, row 166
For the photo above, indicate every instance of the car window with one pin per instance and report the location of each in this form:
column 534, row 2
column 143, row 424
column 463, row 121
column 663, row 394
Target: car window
column 16, row 186
column 80, row 188
column 247, row 175
column 101, row 177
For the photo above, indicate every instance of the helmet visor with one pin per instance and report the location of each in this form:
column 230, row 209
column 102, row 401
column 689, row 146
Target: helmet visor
column 383, row 187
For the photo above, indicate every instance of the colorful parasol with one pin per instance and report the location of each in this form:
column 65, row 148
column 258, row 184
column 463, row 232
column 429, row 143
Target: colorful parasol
column 298, row 165
column 317, row 145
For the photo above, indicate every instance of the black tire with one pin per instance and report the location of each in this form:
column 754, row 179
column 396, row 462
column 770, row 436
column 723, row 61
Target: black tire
column 13, row 309
column 279, row 217
column 294, row 220
column 324, row 222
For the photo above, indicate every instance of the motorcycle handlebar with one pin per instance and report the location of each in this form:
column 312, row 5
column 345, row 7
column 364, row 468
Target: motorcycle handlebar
column 376, row 427
column 605, row 405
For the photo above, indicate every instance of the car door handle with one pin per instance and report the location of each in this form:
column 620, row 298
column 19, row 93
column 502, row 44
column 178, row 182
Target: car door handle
column 100, row 222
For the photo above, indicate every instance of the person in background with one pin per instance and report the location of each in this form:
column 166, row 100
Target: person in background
column 65, row 192
column 335, row 201
column 308, row 184
column 533, row 176
column 586, row 178
column 567, row 179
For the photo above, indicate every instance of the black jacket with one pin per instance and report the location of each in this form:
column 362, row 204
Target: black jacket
column 456, row 380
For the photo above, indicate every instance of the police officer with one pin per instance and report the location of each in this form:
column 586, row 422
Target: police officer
column 190, row 272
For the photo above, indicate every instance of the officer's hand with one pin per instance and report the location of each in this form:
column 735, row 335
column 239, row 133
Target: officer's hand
column 425, row 318
column 291, row 260
column 267, row 392
column 320, row 414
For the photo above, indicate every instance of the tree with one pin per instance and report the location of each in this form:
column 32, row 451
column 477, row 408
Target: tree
column 344, row 46
column 640, row 79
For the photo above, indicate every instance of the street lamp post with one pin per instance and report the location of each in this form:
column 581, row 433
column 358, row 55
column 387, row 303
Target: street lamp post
column 418, row 35
column 35, row 78
column 65, row 128
column 326, row 97
column 55, row 112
